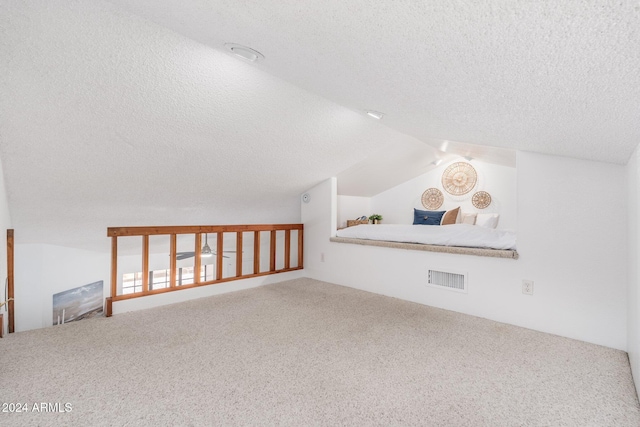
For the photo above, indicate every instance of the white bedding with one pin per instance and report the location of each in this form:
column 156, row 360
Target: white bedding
column 464, row 235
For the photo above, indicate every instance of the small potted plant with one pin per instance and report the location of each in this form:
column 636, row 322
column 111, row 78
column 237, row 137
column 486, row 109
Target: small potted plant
column 375, row 218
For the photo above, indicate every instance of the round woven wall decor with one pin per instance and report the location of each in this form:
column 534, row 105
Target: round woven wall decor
column 432, row 198
column 481, row 199
column 459, row 178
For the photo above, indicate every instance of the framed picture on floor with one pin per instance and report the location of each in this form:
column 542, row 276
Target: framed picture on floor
column 78, row 303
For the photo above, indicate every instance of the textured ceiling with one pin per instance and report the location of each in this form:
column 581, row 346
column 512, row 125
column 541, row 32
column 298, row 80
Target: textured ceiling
column 133, row 113
column 558, row 77
column 109, row 120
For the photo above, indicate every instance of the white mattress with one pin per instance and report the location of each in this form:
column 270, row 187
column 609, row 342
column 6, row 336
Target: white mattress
column 465, row 235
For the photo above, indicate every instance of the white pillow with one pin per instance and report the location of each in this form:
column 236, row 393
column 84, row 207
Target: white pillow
column 468, row 218
column 487, row 220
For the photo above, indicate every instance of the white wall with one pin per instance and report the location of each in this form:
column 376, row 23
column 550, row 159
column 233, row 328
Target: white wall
column 633, row 294
column 319, row 219
column 571, row 238
column 5, row 223
column 44, row 270
column 396, row 204
column 352, row 207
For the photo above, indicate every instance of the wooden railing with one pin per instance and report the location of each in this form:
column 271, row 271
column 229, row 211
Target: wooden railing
column 198, row 231
column 10, row 281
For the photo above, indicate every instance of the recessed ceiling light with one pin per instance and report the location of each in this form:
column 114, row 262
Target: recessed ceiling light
column 244, row 52
column 375, row 114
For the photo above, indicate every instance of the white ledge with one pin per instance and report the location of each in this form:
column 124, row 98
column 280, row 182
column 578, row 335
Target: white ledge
column 495, row 253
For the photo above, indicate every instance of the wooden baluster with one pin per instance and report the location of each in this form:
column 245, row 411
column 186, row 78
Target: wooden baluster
column 108, row 307
column 114, row 266
column 256, row 252
column 238, row 253
column 145, row 264
column 300, row 248
column 219, row 253
column 173, row 254
column 198, row 259
column 272, row 251
column 10, row 281
column 287, row 249
column 114, row 276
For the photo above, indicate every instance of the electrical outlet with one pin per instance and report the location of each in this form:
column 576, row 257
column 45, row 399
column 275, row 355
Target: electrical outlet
column 527, row 287
column 321, row 256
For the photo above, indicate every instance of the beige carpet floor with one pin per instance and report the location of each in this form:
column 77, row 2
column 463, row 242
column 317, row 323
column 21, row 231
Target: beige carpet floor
column 303, row 353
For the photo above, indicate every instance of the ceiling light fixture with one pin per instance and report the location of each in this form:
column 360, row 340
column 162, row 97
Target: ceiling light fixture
column 436, row 162
column 375, row 114
column 244, row 52
column 206, row 250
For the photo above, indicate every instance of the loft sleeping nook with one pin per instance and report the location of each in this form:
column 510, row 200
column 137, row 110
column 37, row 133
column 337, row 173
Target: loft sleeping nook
column 459, row 208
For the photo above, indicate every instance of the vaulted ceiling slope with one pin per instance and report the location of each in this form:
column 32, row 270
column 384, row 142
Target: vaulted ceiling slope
column 131, row 112
column 107, row 119
column 558, row 77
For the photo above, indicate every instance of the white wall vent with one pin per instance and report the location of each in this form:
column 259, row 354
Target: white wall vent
column 447, row 280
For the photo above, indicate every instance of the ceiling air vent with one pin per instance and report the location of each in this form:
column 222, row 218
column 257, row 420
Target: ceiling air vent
column 445, row 280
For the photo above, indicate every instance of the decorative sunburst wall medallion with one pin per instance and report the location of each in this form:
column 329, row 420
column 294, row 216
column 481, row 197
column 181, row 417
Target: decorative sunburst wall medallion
column 459, row 178
column 481, row 199
column 432, row 198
